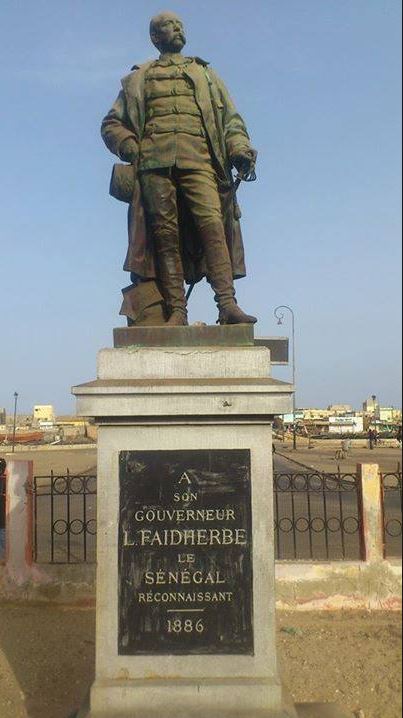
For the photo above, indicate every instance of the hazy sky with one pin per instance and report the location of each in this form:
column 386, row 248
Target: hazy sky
column 318, row 82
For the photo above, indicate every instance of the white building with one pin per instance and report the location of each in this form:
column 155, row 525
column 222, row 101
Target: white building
column 346, row 424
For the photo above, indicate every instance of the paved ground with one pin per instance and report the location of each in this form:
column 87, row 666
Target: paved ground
column 78, row 460
column 284, row 464
column 322, row 456
column 47, row 660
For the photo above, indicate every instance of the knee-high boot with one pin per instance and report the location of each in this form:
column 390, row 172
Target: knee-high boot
column 172, row 286
column 219, row 275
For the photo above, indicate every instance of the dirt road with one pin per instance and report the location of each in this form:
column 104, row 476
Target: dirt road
column 47, row 660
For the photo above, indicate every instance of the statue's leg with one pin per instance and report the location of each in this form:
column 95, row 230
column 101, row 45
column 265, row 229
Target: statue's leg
column 160, row 200
column 220, row 277
column 200, row 191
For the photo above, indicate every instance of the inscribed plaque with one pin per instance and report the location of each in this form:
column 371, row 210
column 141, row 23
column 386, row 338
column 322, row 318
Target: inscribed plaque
column 185, row 553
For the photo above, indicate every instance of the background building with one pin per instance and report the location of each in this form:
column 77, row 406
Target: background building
column 390, row 415
column 346, row 424
column 371, row 407
column 44, row 414
column 315, row 414
column 340, row 409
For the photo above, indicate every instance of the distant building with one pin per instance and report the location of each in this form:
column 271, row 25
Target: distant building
column 340, row 409
column 371, row 407
column 3, row 417
column 289, row 418
column 346, row 424
column 390, row 415
column 314, row 414
column 71, row 426
column 343, row 419
column 44, row 415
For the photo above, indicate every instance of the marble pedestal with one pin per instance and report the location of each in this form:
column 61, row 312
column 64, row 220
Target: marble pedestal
column 209, row 400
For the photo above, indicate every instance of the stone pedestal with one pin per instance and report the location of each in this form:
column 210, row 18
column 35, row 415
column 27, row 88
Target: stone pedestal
column 185, row 584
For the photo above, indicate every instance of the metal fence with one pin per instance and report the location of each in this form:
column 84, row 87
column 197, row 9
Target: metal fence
column 64, row 519
column 392, row 513
column 317, row 517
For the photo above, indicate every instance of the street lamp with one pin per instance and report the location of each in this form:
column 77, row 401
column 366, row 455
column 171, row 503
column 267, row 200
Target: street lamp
column 14, row 420
column 375, row 405
column 279, row 314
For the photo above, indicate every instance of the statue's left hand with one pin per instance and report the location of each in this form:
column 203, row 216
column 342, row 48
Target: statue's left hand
column 245, row 162
column 128, row 151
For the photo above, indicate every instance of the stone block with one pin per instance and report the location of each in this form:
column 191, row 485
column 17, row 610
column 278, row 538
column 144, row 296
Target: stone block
column 184, row 381
column 194, row 336
column 321, row 710
column 306, row 710
column 184, row 363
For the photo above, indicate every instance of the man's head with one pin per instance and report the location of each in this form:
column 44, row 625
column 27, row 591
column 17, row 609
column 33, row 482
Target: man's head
column 167, row 32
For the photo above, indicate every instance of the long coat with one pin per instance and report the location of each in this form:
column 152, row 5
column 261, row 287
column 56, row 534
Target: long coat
column 227, row 135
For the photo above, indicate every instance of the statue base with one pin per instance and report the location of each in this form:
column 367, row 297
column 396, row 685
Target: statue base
column 305, row 710
column 185, row 575
column 185, row 702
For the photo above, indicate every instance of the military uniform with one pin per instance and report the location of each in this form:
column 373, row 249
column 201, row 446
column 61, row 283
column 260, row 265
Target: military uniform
column 174, row 134
column 184, row 126
column 174, row 151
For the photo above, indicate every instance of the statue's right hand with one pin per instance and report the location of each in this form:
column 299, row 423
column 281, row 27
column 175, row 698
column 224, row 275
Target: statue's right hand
column 128, row 151
column 245, row 161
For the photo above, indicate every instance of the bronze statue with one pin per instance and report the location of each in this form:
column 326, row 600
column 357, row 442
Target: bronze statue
column 176, row 126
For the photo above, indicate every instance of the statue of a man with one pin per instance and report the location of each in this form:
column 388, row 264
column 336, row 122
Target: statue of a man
column 175, row 122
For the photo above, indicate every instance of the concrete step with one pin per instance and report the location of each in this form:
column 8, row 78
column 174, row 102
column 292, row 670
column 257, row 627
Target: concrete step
column 307, row 710
column 321, row 710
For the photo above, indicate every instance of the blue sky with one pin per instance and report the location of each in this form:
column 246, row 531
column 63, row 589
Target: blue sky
column 319, row 86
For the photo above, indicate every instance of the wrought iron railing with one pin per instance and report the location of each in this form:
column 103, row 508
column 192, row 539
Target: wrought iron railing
column 392, row 513
column 317, row 517
column 64, row 518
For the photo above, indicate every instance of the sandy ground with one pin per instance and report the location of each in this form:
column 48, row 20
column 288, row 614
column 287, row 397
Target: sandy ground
column 47, row 660
column 351, row 658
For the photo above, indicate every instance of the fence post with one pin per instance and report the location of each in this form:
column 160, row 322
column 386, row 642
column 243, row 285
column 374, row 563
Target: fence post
column 19, row 520
column 371, row 501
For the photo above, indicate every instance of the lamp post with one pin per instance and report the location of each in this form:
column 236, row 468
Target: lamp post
column 279, row 314
column 375, row 405
column 14, row 420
